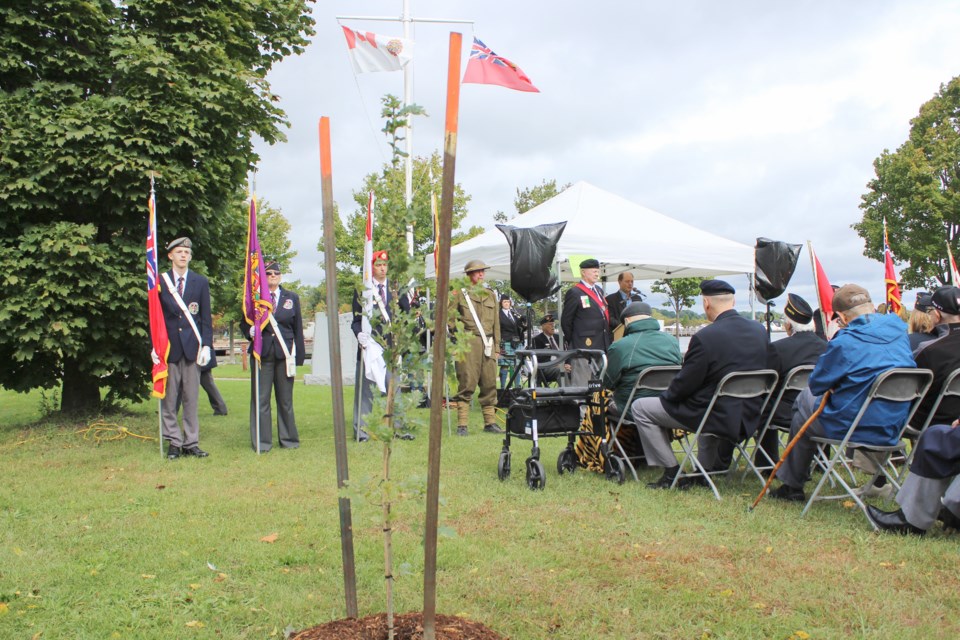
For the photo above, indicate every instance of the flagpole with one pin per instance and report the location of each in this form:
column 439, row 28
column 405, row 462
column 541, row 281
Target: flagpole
column 336, row 373
column 816, row 286
column 256, row 391
column 155, row 245
column 440, row 345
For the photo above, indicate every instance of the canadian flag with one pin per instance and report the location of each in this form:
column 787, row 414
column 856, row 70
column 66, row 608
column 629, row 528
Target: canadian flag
column 372, row 52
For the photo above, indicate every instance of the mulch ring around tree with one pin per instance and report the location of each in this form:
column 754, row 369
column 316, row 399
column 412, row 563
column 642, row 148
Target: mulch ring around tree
column 406, row 626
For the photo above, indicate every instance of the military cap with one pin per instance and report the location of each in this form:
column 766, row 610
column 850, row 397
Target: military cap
column 715, row 288
column 475, row 265
column 273, row 265
column 590, row 263
column 797, row 309
column 180, row 242
column 635, row 309
column 947, row 300
column 379, row 255
column 547, row 319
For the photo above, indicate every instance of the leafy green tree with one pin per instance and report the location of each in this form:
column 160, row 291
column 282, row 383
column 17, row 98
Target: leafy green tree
column 681, row 293
column 532, row 196
column 391, row 214
column 917, row 190
column 94, row 96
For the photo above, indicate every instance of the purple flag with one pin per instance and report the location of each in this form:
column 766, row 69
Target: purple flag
column 257, row 304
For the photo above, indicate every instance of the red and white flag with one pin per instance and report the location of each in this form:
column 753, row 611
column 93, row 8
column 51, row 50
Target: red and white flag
column 954, row 274
column 486, row 67
column 824, row 290
column 372, row 52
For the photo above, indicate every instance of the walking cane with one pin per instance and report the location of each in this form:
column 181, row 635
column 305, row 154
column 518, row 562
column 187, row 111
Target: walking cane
column 789, row 448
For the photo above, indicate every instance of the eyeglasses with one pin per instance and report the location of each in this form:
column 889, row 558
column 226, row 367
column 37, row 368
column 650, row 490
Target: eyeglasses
column 273, row 273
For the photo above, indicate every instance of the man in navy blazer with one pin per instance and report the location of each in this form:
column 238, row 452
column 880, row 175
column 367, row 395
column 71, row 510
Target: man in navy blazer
column 730, row 343
column 185, row 299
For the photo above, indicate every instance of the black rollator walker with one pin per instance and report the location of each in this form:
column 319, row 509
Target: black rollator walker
column 535, row 410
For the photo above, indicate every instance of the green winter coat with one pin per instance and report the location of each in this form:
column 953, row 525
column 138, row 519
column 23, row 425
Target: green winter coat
column 642, row 345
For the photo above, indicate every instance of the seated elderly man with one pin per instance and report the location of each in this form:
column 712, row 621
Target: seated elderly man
column 643, row 345
column 731, row 343
column 932, row 490
column 866, row 345
column 802, row 346
column 941, row 355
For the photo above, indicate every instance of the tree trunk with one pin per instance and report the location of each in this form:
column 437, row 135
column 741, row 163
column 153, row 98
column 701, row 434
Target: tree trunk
column 81, row 390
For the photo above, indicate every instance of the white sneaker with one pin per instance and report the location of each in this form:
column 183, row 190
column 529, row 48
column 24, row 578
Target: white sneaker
column 873, row 491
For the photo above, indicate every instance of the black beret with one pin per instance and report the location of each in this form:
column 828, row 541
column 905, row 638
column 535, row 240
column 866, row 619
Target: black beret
column 923, row 302
column 272, row 266
column 547, row 318
column 590, row 263
column 715, row 288
column 180, row 242
column 797, row 309
column 947, row 300
column 635, row 309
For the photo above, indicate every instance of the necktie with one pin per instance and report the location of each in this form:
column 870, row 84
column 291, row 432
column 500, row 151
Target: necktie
column 274, row 296
column 383, row 295
column 180, row 286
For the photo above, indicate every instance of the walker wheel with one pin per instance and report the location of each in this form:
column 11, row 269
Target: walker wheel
column 503, row 466
column 536, row 478
column 567, row 461
column 614, row 470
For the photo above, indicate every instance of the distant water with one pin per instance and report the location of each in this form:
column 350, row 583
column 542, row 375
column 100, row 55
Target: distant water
column 685, row 340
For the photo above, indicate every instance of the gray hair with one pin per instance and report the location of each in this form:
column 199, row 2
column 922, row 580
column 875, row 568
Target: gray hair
column 797, row 327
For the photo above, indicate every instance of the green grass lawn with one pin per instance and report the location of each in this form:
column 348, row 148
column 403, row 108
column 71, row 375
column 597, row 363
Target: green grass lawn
column 109, row 540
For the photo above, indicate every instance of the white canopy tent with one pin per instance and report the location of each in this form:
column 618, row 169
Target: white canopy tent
column 622, row 235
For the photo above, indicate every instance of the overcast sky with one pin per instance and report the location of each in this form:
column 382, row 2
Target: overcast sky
column 746, row 119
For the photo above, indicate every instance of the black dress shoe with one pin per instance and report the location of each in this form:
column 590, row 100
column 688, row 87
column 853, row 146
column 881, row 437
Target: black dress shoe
column 461, row 431
column 788, row 494
column 173, row 452
column 219, row 413
column 195, row 451
column 892, row 521
column 406, row 435
column 949, row 520
column 492, row 428
column 692, row 481
column 665, row 480
column 364, row 436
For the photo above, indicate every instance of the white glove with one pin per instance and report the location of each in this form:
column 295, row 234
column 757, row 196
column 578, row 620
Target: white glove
column 154, row 356
column 363, row 338
column 204, row 358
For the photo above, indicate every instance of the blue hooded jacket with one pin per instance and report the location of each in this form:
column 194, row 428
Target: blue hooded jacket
column 867, row 347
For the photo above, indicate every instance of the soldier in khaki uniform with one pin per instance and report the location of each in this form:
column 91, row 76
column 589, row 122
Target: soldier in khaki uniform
column 480, row 364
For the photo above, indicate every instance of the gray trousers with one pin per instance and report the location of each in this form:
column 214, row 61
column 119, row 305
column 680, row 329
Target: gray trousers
column 363, row 390
column 654, row 425
column 183, row 386
column 921, row 499
column 795, row 470
column 273, row 378
column 213, row 394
